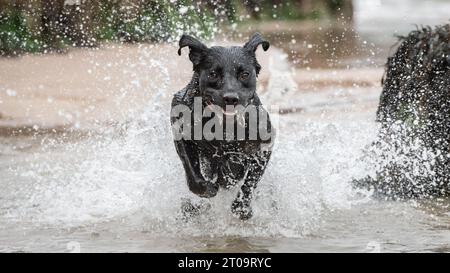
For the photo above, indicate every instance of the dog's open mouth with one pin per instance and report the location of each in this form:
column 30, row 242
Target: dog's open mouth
column 228, row 111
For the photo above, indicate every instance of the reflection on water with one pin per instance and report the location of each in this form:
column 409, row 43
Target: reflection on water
column 327, row 46
column 365, row 42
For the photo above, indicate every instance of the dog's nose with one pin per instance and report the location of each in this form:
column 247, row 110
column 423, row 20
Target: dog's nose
column 231, row 99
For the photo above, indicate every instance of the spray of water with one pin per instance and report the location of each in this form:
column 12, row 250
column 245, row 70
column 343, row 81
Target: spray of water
column 132, row 174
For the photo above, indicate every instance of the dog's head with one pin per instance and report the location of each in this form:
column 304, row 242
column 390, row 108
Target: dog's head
column 227, row 75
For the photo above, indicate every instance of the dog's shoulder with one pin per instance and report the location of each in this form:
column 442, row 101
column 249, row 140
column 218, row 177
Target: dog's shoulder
column 256, row 101
column 179, row 96
column 184, row 97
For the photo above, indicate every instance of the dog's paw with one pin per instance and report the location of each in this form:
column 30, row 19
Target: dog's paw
column 204, row 188
column 239, row 209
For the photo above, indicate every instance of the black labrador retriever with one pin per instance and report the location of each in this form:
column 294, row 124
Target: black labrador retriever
column 222, row 133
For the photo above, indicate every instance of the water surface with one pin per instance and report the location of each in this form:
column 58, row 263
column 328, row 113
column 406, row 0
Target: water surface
column 120, row 191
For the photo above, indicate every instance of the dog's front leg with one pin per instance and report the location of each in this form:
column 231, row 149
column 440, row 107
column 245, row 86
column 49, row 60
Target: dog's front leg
column 256, row 167
column 189, row 155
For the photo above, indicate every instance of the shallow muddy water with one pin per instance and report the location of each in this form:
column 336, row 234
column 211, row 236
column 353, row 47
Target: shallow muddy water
column 122, row 191
column 365, row 42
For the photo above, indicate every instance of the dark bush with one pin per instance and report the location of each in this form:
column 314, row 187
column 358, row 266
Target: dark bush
column 414, row 113
column 15, row 37
column 57, row 24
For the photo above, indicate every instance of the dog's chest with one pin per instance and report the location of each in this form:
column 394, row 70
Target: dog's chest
column 225, row 150
column 225, row 162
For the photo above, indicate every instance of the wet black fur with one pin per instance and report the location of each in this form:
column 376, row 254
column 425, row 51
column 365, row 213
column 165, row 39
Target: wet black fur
column 224, row 163
column 416, row 98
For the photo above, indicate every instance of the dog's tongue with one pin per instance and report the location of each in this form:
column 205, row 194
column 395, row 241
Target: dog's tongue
column 229, row 111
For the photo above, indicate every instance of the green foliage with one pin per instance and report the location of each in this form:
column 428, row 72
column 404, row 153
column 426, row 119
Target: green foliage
column 278, row 10
column 153, row 21
column 91, row 22
column 335, row 5
column 107, row 20
column 411, row 116
column 149, row 21
column 289, row 10
column 15, row 36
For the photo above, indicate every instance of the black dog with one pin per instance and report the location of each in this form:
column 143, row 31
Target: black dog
column 223, row 77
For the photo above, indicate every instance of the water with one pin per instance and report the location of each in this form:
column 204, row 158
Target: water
column 366, row 42
column 120, row 193
column 122, row 190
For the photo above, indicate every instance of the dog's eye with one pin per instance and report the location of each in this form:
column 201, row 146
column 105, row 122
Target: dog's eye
column 213, row 75
column 244, row 76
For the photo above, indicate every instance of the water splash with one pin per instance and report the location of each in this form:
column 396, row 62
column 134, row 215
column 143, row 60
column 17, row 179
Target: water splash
column 131, row 175
column 138, row 178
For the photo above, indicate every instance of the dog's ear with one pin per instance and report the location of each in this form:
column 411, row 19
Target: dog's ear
column 196, row 48
column 255, row 41
column 253, row 44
